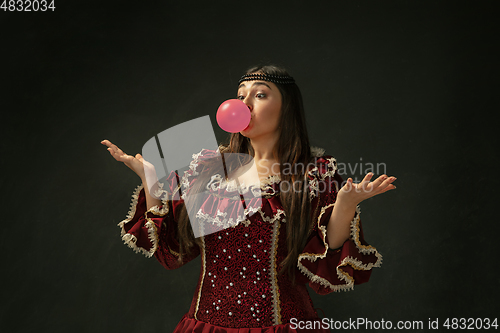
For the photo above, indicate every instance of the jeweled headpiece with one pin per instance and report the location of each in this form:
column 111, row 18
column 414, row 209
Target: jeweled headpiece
column 281, row 79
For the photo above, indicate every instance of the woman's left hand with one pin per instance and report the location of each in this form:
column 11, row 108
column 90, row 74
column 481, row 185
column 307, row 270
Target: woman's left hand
column 354, row 193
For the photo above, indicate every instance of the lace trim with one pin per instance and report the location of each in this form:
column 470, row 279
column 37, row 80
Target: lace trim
column 204, row 268
column 270, row 180
column 314, row 182
column 235, row 197
column 191, row 172
column 218, row 182
column 272, row 219
column 152, row 235
column 274, row 283
column 354, row 263
column 331, row 167
column 133, row 205
column 230, row 222
column 131, row 240
column 164, row 197
column 224, row 223
column 156, row 210
column 173, row 252
column 313, row 188
column 317, row 152
column 365, row 249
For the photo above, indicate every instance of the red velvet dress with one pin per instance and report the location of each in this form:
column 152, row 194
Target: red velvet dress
column 239, row 289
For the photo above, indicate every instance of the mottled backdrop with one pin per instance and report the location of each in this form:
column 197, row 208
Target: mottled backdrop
column 410, row 84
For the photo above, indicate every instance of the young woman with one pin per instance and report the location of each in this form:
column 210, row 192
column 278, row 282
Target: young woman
column 300, row 223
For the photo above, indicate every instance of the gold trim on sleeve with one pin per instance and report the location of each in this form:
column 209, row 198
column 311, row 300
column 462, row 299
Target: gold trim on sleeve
column 131, row 240
column 355, row 229
column 274, row 280
column 204, row 268
column 354, row 263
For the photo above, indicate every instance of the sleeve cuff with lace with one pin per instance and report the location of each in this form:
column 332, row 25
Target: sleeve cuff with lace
column 153, row 232
column 340, row 269
column 139, row 231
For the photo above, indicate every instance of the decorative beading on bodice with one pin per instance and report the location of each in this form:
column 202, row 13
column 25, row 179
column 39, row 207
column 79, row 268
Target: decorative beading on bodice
column 239, row 284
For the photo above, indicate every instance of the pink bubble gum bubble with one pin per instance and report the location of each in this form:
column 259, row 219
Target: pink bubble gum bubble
column 233, row 116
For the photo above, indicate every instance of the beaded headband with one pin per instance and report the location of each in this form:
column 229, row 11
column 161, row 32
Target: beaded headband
column 281, row 79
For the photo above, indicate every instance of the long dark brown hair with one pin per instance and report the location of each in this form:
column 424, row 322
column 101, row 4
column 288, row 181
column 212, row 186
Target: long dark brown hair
column 292, row 149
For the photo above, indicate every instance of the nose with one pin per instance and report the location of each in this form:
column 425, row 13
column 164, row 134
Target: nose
column 248, row 103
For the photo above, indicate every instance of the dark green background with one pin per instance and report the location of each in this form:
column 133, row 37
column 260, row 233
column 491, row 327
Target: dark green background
column 412, row 84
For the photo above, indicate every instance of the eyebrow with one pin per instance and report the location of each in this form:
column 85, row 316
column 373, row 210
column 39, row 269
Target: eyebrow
column 256, row 84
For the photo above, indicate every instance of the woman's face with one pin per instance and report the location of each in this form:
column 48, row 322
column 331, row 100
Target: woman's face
column 264, row 101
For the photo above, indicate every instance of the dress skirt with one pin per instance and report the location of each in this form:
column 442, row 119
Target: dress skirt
column 190, row 325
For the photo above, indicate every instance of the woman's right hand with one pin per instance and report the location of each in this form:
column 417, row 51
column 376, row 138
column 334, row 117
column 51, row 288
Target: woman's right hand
column 135, row 163
column 145, row 170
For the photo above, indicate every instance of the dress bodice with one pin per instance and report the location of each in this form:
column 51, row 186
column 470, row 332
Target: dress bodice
column 243, row 242
column 239, row 283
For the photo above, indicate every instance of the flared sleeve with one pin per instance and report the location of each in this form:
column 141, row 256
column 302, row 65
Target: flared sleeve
column 331, row 270
column 153, row 232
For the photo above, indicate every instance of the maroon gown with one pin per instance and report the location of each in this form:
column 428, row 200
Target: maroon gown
column 239, row 289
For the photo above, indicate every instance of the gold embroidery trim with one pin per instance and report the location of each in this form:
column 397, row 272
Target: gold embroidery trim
column 317, row 151
column 354, row 263
column 204, row 266
column 173, row 252
column 355, row 230
column 129, row 239
column 274, row 274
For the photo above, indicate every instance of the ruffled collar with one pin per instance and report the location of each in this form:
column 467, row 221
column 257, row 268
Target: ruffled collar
column 217, row 182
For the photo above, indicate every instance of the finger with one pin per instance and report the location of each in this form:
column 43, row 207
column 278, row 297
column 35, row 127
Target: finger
column 354, row 186
column 116, row 150
column 361, row 186
column 388, row 188
column 377, row 182
column 114, row 155
column 348, row 185
column 113, row 149
column 367, row 177
column 387, row 183
column 119, row 155
column 365, row 183
column 107, row 143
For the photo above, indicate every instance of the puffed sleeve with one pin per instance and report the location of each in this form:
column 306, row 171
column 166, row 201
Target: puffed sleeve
column 153, row 232
column 340, row 269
